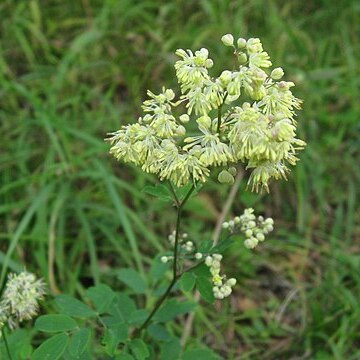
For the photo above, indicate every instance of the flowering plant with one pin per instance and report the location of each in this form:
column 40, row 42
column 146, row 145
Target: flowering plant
column 246, row 116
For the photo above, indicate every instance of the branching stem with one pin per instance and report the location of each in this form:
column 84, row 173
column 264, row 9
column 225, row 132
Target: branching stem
column 176, row 276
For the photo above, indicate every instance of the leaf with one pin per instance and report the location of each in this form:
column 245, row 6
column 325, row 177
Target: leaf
column 205, row 288
column 223, row 245
column 159, row 332
column 124, row 357
column 200, row 354
column 133, row 279
column 51, row 349
column 205, row 246
column 73, row 307
column 182, row 191
column 55, row 323
column 170, row 350
column 159, row 191
column 201, row 270
column 173, row 308
column 139, row 349
column 138, row 316
column 122, row 307
column 101, row 296
column 158, row 269
column 19, row 343
column 187, row 281
column 79, row 341
column 114, row 336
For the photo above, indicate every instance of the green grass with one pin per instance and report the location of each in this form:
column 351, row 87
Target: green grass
column 72, row 71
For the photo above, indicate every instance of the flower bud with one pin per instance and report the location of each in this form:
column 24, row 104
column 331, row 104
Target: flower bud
column 180, row 131
column 231, row 282
column 233, row 89
column 217, row 257
column 251, row 243
column 228, row 40
column 169, row 94
column 277, row 73
column 232, row 170
column 260, row 236
column 204, row 121
column 208, row 261
column 242, row 58
column 241, row 43
column 248, row 233
column 198, row 256
column 184, row 118
column 216, row 264
column 225, row 225
column 225, row 177
column 225, row 77
column 164, row 259
column 209, row 63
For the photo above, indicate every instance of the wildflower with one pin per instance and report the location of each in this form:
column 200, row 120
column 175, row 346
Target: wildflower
column 222, row 286
column 254, row 228
column 260, row 133
column 20, row 299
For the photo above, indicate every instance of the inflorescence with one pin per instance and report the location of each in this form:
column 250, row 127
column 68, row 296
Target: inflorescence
column 253, row 228
column 260, row 132
column 20, row 298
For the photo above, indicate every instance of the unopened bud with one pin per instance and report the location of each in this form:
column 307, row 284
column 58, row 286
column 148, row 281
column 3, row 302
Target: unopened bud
column 228, row 40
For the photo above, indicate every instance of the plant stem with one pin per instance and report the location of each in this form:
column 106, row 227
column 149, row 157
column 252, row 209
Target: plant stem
column 176, row 199
column 219, row 113
column 6, row 343
column 175, row 277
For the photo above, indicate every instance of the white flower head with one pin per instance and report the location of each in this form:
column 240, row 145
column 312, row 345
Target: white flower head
column 20, row 299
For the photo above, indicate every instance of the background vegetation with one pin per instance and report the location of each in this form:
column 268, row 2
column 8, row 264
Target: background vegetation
column 71, row 71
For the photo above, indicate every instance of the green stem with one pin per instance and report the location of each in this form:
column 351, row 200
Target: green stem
column 6, row 343
column 177, row 201
column 219, row 113
column 176, row 276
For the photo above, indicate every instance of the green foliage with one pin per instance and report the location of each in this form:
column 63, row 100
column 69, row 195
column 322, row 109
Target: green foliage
column 187, row 281
column 205, row 289
column 70, row 306
column 52, row 349
column 79, row 341
column 133, row 279
column 55, row 323
column 200, row 354
column 172, row 309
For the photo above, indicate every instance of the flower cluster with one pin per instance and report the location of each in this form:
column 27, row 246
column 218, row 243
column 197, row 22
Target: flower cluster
column 254, row 228
column 222, row 286
column 260, row 133
column 20, row 298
